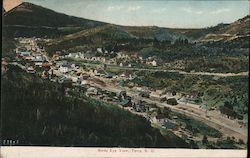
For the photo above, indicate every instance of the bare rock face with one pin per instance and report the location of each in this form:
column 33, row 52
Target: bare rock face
column 10, row 4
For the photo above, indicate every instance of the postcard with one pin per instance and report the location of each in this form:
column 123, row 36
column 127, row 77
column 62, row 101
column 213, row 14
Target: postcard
column 117, row 78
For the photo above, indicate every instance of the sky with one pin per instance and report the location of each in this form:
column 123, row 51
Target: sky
column 8, row 5
column 163, row 13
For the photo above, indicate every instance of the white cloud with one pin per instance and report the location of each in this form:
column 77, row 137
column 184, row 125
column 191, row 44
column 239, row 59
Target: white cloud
column 191, row 10
column 219, row 11
column 134, row 8
column 114, row 8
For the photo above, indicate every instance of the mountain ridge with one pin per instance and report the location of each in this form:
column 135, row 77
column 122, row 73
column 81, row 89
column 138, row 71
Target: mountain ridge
column 21, row 15
column 26, row 14
column 31, row 20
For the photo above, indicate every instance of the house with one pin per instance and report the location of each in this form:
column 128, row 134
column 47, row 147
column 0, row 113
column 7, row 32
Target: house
column 38, row 64
column 191, row 96
column 148, row 117
column 60, row 63
column 111, row 62
column 82, row 81
column 151, row 110
column 158, row 95
column 64, row 80
column 126, row 103
column 74, row 79
column 28, row 57
column 45, row 75
column 103, row 60
column 99, row 50
column 153, row 120
column 108, row 99
column 121, row 55
column 55, row 57
column 46, row 65
column 73, row 65
column 30, row 70
column 84, row 76
column 100, row 72
column 94, row 58
column 88, row 56
column 51, row 71
column 38, row 58
column 154, row 96
column 122, row 95
column 154, row 63
column 144, row 94
column 165, row 122
column 140, row 108
column 169, row 124
column 151, row 62
column 183, row 100
column 92, row 91
column 135, row 55
column 65, row 68
column 109, row 75
column 160, row 118
column 73, row 55
column 126, row 75
column 24, row 41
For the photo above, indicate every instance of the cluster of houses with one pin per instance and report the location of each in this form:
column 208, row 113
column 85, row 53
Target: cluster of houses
column 70, row 73
column 85, row 56
column 149, row 111
column 119, row 59
column 30, row 56
column 102, row 94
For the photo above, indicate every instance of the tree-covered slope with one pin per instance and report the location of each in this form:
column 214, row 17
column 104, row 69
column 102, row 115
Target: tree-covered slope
column 37, row 112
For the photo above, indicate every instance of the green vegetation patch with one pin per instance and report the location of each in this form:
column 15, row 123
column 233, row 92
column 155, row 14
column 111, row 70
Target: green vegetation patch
column 198, row 127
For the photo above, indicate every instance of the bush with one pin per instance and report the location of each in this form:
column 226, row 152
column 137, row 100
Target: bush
column 172, row 101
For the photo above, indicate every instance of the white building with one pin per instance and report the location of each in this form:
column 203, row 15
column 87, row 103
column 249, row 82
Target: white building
column 99, row 50
column 74, row 79
column 154, row 63
column 63, row 69
column 120, row 55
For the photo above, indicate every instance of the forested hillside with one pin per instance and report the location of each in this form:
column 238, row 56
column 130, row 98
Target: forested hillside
column 37, row 112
